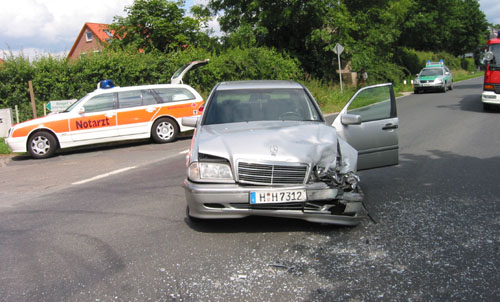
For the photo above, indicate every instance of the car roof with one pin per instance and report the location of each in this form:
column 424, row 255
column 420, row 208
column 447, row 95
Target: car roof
column 139, row 87
column 432, row 67
column 259, row 84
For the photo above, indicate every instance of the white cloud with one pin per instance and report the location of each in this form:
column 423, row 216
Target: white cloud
column 51, row 25
column 37, row 27
column 491, row 8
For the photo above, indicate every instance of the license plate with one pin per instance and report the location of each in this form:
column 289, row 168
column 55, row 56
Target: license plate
column 281, row 196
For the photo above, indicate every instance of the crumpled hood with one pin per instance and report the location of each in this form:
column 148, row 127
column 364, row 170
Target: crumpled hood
column 312, row 143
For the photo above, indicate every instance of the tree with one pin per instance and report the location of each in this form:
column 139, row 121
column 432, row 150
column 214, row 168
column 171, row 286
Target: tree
column 455, row 26
column 309, row 30
column 157, row 25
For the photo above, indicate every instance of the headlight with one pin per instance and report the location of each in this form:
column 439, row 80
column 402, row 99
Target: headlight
column 417, row 81
column 210, row 172
column 438, row 81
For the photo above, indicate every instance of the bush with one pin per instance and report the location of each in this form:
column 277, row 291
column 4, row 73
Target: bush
column 468, row 64
column 57, row 79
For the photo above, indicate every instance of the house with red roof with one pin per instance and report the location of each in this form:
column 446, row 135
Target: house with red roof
column 92, row 38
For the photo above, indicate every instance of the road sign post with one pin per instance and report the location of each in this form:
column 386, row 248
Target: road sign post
column 58, row 106
column 338, row 49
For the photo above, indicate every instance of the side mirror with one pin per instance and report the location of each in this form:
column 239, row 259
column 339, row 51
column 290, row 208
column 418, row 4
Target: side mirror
column 350, row 119
column 489, row 56
column 81, row 110
column 190, row 121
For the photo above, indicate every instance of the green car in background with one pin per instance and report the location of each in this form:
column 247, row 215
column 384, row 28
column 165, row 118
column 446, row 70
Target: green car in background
column 435, row 76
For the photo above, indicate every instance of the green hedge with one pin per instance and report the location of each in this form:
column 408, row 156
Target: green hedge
column 57, row 79
column 413, row 61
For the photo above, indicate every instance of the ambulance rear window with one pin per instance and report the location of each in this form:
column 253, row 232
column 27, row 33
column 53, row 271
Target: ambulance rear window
column 174, row 94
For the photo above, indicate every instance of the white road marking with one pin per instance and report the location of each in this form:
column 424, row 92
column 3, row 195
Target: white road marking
column 123, row 170
column 103, row 175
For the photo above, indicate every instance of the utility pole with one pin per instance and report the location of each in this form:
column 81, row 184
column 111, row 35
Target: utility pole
column 32, row 96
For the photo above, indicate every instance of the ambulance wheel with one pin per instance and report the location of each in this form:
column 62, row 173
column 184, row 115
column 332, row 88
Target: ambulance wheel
column 42, row 144
column 164, row 130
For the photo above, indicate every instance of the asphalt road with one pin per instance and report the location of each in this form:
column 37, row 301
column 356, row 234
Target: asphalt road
column 66, row 235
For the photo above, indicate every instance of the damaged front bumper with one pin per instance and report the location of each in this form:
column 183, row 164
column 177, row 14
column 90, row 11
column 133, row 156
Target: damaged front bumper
column 323, row 205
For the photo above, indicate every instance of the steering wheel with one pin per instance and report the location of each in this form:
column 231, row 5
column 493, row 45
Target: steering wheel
column 290, row 115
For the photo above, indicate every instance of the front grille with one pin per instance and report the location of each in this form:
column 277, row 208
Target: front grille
column 269, row 174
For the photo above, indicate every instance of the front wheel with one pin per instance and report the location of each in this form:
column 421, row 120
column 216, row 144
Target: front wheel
column 42, row 145
column 164, row 130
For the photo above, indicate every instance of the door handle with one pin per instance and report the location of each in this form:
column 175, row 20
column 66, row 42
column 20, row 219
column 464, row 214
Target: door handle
column 389, row 127
column 109, row 115
column 151, row 109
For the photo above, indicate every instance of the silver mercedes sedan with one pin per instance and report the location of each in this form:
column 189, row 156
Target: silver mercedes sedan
column 264, row 148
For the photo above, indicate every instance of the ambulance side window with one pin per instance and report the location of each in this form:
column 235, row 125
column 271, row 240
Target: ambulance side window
column 129, row 99
column 148, row 98
column 101, row 102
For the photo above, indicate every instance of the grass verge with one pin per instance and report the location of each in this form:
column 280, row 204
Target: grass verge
column 4, row 149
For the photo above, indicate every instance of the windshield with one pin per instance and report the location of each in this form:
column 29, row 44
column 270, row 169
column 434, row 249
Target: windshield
column 495, row 49
column 74, row 104
column 233, row 106
column 431, row 72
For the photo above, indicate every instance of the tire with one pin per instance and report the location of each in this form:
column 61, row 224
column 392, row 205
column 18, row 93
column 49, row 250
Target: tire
column 164, row 130
column 451, row 86
column 416, row 91
column 42, row 144
column 486, row 107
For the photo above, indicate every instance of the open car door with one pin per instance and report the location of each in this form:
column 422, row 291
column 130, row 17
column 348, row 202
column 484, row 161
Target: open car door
column 181, row 72
column 369, row 123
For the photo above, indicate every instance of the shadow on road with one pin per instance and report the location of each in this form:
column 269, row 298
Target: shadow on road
column 256, row 224
column 470, row 103
column 96, row 148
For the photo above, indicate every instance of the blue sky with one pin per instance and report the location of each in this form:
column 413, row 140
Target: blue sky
column 38, row 27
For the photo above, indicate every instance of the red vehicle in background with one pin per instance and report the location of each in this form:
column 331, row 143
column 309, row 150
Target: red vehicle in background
column 491, row 87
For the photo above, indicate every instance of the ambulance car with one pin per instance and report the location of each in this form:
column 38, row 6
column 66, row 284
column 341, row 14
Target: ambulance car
column 110, row 114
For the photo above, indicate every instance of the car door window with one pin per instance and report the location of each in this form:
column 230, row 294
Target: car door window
column 101, row 102
column 129, row 99
column 148, row 97
column 174, row 94
column 372, row 104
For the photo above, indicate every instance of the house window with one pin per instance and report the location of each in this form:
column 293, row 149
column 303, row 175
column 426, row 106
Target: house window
column 88, row 35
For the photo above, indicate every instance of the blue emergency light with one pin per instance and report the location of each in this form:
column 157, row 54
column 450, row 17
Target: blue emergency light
column 105, row 84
